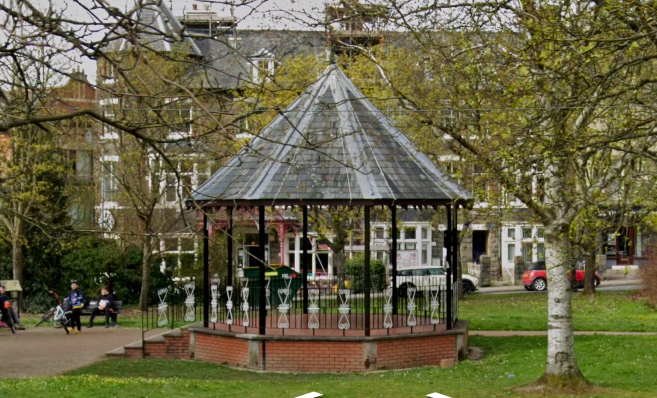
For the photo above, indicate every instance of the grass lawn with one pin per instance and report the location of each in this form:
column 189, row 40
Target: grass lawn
column 626, row 366
column 609, row 311
column 132, row 320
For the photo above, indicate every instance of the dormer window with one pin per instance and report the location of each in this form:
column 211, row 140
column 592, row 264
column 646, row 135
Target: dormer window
column 262, row 66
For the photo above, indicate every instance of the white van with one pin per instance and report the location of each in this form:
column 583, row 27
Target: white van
column 430, row 276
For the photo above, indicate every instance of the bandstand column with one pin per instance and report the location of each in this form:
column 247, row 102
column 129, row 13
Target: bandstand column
column 448, row 277
column 368, row 282
column 393, row 259
column 304, row 259
column 229, row 248
column 206, row 270
column 455, row 258
column 262, row 299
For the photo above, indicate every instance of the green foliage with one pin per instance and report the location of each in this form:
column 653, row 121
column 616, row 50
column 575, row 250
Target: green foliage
column 95, row 262
column 355, row 270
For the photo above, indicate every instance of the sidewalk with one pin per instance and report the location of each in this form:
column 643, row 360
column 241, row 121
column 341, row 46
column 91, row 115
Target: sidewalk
column 517, row 289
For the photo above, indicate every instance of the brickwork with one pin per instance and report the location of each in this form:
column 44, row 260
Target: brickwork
column 315, row 356
column 173, row 347
column 307, row 354
column 220, row 349
column 415, row 352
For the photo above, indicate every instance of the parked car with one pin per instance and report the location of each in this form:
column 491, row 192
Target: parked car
column 433, row 276
column 535, row 278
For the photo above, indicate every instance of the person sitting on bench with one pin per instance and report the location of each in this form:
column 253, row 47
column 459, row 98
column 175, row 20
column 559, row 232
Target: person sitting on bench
column 105, row 306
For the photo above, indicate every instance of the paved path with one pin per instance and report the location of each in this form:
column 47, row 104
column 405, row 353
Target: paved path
column 46, row 351
column 609, row 285
column 530, row 333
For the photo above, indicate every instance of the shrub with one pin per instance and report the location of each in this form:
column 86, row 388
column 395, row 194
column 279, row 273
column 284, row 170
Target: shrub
column 355, row 271
column 95, row 262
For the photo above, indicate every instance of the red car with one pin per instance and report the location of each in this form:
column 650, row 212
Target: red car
column 535, row 278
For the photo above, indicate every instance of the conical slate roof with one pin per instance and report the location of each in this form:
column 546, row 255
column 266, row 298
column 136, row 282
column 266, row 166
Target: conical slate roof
column 330, row 146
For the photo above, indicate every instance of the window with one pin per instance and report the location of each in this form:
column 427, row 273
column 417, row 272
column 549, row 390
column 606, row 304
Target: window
column 379, row 233
column 409, row 233
column 262, row 66
column 526, row 233
column 511, row 253
column 183, row 187
column 110, row 185
column 436, row 239
column 511, row 233
column 379, row 256
column 540, row 252
column 540, row 233
column 187, row 244
column 425, row 233
column 409, row 246
column 171, row 194
column 425, row 253
column 171, row 244
column 527, row 253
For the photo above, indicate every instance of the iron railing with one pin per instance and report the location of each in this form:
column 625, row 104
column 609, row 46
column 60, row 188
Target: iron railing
column 334, row 303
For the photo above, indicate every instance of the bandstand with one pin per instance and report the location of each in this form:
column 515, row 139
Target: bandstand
column 331, row 147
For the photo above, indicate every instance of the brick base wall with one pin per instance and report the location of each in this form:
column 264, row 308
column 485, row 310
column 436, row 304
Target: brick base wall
column 415, row 352
column 310, row 354
column 219, row 349
column 315, row 356
column 173, row 347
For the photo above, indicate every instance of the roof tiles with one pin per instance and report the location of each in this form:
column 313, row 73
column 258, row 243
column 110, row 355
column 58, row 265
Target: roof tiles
column 331, row 144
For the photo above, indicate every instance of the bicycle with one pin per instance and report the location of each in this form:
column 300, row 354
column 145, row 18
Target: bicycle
column 51, row 312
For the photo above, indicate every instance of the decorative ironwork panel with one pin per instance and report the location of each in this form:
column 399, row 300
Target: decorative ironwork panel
column 268, row 294
column 410, row 306
column 162, row 319
column 387, row 308
column 344, row 309
column 229, row 305
column 313, row 308
column 214, row 304
column 284, row 306
column 434, row 306
column 245, row 302
column 190, row 301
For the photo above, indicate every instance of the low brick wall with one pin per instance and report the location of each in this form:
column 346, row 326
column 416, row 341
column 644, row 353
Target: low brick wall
column 314, row 356
column 310, row 353
column 220, row 349
column 330, row 354
column 412, row 353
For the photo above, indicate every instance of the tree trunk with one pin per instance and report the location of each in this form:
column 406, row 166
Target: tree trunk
column 589, row 272
column 340, row 261
column 561, row 371
column 17, row 259
column 145, row 274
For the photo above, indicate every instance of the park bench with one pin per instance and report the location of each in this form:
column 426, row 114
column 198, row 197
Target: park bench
column 92, row 305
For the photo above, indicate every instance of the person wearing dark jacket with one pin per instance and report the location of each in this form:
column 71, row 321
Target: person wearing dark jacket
column 76, row 299
column 105, row 305
column 5, row 306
